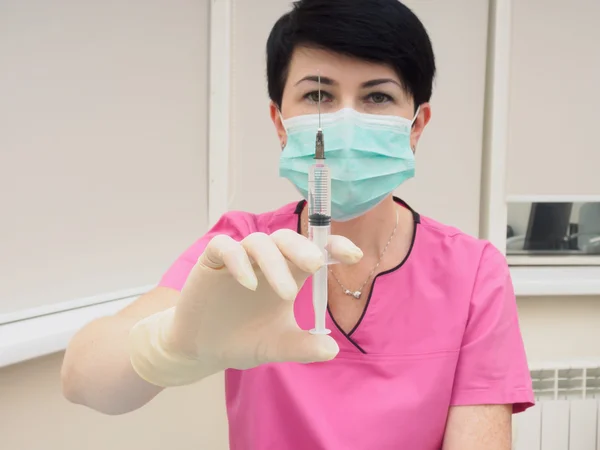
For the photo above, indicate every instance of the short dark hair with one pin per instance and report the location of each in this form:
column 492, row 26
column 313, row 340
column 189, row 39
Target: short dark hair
column 382, row 31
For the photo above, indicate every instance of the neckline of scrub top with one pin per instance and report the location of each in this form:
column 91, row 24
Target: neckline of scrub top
column 416, row 220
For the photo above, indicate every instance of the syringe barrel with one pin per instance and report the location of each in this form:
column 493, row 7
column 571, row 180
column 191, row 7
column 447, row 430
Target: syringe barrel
column 319, row 195
column 319, row 235
column 319, row 220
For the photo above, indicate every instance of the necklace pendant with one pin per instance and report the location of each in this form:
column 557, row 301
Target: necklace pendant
column 355, row 294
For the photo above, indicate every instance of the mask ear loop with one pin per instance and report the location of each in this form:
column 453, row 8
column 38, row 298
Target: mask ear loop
column 414, row 119
column 283, row 125
column 412, row 124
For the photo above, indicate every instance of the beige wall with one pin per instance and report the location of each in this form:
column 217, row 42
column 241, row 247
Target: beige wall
column 557, row 329
column 34, row 416
column 554, row 97
column 103, row 119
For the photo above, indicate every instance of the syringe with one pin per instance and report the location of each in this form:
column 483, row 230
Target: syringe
column 319, row 223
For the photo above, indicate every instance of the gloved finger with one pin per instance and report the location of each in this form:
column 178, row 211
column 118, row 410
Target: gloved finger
column 342, row 249
column 302, row 347
column 298, row 250
column 223, row 251
column 261, row 248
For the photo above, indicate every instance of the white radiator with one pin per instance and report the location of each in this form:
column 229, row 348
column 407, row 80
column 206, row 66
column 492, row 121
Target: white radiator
column 566, row 415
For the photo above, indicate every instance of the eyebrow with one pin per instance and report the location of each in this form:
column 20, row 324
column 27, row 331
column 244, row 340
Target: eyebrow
column 329, row 82
column 379, row 81
column 315, row 79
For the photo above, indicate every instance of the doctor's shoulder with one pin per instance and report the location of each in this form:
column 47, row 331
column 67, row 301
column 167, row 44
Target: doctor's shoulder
column 239, row 224
column 463, row 259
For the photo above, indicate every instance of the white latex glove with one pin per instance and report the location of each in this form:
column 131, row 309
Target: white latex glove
column 236, row 310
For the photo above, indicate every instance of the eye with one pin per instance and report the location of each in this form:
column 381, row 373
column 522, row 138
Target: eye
column 313, row 97
column 379, row 98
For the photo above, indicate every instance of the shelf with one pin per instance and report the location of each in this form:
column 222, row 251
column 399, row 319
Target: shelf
column 552, row 198
column 556, row 281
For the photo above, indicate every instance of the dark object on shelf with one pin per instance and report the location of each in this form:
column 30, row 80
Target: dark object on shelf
column 548, row 227
column 573, row 230
column 509, row 232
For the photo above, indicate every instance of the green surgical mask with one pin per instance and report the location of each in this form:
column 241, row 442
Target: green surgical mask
column 369, row 156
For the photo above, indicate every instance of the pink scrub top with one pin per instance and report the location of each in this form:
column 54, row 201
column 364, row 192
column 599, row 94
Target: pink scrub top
column 439, row 329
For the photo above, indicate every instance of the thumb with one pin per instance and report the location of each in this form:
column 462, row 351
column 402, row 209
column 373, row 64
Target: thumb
column 343, row 250
column 302, row 347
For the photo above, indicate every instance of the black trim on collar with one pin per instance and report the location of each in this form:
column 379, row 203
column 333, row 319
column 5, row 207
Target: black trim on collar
column 300, row 207
column 417, row 220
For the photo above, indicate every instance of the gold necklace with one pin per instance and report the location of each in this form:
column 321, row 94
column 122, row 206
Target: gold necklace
column 358, row 293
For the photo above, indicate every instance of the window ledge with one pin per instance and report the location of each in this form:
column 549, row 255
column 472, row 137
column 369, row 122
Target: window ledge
column 30, row 338
column 556, row 281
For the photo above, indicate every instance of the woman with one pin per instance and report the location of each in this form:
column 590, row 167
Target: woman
column 425, row 350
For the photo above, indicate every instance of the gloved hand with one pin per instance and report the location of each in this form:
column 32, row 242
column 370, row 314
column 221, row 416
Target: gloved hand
column 236, row 310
